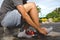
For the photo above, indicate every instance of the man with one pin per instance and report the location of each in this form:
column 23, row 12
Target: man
column 14, row 9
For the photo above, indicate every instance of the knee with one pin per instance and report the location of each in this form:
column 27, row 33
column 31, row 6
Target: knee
column 32, row 4
column 15, row 11
column 3, row 24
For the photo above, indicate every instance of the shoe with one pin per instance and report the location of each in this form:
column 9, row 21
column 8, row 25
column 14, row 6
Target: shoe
column 24, row 35
column 49, row 29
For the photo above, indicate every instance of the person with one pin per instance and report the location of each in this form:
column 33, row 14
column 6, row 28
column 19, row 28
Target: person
column 12, row 11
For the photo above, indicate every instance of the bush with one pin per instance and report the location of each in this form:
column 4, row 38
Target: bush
column 56, row 19
column 40, row 21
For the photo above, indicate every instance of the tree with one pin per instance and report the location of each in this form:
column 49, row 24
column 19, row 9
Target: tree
column 38, row 8
column 54, row 14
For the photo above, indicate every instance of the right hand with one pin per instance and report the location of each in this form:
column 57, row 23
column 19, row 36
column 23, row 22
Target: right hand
column 43, row 31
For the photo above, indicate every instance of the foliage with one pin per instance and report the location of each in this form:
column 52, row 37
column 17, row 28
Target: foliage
column 43, row 19
column 56, row 19
column 38, row 8
column 52, row 15
column 55, row 15
column 40, row 20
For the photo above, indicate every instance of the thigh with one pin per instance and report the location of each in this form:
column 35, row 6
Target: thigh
column 11, row 19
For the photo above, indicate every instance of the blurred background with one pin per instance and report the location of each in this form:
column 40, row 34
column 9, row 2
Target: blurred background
column 49, row 15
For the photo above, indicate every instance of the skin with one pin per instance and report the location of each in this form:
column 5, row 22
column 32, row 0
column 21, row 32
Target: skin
column 31, row 19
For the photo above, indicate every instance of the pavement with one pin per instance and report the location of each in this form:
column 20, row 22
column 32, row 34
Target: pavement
column 53, row 35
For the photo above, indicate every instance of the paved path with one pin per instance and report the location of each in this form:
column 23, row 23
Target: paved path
column 54, row 35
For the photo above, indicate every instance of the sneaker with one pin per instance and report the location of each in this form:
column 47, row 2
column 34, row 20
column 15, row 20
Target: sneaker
column 24, row 35
column 49, row 29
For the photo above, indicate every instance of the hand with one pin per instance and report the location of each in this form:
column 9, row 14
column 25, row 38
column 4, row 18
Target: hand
column 43, row 31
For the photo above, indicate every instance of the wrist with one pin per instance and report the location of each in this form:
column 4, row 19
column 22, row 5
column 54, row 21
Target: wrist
column 38, row 28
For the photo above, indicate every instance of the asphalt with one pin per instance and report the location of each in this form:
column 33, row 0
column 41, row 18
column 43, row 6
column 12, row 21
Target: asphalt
column 54, row 35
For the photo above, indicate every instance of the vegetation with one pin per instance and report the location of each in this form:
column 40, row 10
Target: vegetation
column 38, row 8
column 55, row 15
